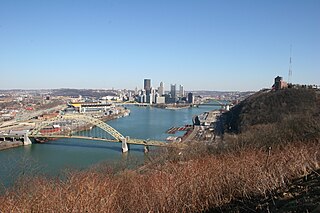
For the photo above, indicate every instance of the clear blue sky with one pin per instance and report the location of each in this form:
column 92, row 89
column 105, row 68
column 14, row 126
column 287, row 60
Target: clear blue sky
column 212, row 45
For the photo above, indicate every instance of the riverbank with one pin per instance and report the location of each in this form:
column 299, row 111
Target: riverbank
column 9, row 144
column 172, row 106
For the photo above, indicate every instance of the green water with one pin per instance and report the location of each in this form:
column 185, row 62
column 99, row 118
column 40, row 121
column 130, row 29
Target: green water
column 53, row 157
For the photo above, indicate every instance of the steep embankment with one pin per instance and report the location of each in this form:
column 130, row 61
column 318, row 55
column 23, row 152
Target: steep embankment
column 271, row 107
column 302, row 195
column 269, row 119
column 275, row 121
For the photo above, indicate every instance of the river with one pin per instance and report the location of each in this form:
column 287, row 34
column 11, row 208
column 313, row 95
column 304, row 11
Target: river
column 53, row 157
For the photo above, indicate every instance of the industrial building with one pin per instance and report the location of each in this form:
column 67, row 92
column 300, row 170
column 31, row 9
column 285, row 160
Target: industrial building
column 86, row 107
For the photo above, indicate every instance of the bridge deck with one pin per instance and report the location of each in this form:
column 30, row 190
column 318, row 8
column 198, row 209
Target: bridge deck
column 131, row 140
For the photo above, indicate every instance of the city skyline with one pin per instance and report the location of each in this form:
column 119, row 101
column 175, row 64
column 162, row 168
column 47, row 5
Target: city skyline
column 207, row 45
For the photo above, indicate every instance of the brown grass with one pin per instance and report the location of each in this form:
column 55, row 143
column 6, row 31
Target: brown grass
column 188, row 185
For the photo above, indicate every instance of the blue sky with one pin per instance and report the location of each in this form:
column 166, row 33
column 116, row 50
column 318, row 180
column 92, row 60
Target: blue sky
column 204, row 45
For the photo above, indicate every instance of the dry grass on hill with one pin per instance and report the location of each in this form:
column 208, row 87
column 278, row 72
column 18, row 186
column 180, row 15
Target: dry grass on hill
column 193, row 185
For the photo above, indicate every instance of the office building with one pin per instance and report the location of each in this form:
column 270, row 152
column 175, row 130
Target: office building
column 173, row 91
column 147, row 86
column 190, row 98
column 181, row 91
column 160, row 100
column 161, row 89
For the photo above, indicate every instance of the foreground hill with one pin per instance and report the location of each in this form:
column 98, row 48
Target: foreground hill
column 273, row 118
column 273, row 106
column 302, row 195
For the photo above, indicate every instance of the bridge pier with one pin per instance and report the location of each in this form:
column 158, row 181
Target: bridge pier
column 26, row 140
column 146, row 149
column 124, row 144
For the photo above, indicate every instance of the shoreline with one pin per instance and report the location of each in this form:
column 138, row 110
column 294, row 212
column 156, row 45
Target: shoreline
column 8, row 145
column 171, row 106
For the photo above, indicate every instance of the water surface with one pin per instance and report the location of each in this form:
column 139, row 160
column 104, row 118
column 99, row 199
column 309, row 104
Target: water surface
column 52, row 157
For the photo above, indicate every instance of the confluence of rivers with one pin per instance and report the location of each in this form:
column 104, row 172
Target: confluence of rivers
column 53, row 157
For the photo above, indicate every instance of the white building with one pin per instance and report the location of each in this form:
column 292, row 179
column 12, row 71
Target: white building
column 160, row 100
column 161, row 89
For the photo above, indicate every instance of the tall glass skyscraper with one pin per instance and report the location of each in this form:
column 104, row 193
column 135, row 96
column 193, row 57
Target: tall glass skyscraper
column 173, row 91
column 181, row 91
column 147, row 86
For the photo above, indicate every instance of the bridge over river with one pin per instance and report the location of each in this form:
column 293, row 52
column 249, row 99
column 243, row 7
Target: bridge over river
column 86, row 127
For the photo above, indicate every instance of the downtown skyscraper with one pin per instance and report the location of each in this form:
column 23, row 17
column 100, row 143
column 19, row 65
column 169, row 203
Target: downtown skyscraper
column 147, row 86
column 161, row 89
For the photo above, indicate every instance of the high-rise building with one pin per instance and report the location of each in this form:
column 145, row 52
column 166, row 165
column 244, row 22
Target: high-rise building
column 173, row 91
column 152, row 96
column 161, row 89
column 147, row 86
column 190, row 98
column 181, row 91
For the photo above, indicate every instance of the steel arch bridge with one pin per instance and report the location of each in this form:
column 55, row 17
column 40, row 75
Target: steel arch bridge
column 116, row 136
column 88, row 119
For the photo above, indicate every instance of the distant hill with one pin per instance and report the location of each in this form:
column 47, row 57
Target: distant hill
column 266, row 107
column 82, row 92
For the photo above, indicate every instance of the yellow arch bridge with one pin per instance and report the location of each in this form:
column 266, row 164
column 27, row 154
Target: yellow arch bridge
column 86, row 127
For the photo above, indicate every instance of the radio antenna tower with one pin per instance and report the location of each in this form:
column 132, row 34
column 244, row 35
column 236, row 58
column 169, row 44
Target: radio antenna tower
column 290, row 66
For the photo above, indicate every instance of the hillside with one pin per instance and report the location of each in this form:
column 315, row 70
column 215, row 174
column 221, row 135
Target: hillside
column 301, row 195
column 272, row 106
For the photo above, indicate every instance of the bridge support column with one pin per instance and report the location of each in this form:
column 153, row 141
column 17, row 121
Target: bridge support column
column 146, row 148
column 125, row 144
column 26, row 140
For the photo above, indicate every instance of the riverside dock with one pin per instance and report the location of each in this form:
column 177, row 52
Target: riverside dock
column 173, row 129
